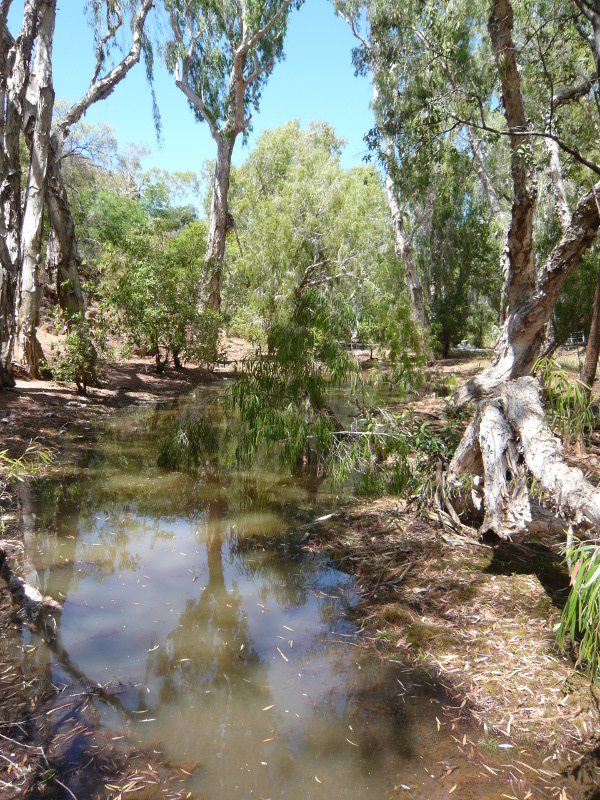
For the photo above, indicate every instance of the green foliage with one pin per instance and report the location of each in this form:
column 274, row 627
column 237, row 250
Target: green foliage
column 573, row 310
column 34, row 459
column 304, row 221
column 157, row 301
column 395, row 453
column 458, row 257
column 76, row 359
column 281, row 393
column 212, row 34
column 581, row 614
column 569, row 405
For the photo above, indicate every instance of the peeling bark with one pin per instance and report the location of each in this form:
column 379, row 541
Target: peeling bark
column 522, row 279
column 15, row 57
column 62, row 257
column 523, row 331
column 40, row 97
column 509, row 438
column 217, row 231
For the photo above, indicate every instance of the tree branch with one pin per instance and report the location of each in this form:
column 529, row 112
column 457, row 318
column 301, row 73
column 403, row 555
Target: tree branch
column 111, row 31
column 100, row 89
column 248, row 45
column 570, row 93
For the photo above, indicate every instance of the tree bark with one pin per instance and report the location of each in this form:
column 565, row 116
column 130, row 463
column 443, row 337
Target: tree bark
column 509, row 439
column 406, row 255
column 62, row 257
column 523, row 332
column 15, row 57
column 592, row 351
column 40, row 95
column 217, row 231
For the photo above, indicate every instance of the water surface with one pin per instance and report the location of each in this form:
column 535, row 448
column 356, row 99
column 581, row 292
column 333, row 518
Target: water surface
column 194, row 635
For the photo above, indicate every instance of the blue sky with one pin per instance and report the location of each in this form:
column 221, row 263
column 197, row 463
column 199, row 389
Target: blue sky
column 316, row 81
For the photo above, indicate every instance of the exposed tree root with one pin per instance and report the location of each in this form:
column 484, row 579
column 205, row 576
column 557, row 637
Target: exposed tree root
column 509, row 441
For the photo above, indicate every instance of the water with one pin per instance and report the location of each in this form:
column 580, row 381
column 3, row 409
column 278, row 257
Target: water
column 201, row 654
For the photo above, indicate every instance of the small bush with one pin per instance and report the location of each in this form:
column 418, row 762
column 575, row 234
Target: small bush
column 77, row 359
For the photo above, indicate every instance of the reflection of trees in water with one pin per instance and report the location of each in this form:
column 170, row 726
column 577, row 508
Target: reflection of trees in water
column 225, row 670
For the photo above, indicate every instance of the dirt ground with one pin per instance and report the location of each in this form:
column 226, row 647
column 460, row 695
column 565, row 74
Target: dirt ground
column 476, row 618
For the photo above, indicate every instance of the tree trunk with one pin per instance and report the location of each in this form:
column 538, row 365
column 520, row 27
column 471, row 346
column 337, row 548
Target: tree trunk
column 40, row 94
column 217, row 232
column 405, row 253
column 15, row 57
column 588, row 376
column 62, row 259
column 509, row 440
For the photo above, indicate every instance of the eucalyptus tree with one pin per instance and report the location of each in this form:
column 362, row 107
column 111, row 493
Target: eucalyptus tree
column 507, row 398
column 26, row 97
column 531, row 57
column 221, row 54
column 109, row 18
column 370, row 59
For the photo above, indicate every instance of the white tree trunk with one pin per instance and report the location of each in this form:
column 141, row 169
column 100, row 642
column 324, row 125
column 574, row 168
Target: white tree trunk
column 62, row 258
column 37, row 131
column 15, row 57
column 406, row 255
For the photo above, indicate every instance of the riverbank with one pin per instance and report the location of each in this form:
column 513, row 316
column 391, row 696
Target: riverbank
column 476, row 619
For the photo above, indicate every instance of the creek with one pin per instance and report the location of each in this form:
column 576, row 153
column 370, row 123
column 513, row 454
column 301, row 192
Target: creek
column 201, row 653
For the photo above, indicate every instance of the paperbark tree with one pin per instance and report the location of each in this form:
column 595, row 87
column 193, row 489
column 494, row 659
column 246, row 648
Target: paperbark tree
column 36, row 125
column 27, row 101
column 508, row 437
column 221, row 55
column 592, row 351
column 15, row 59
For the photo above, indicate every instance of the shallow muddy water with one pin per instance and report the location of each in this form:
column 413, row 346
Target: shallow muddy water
column 198, row 645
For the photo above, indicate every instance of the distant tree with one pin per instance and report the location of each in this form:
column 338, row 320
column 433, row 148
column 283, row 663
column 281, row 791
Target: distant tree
column 221, row 55
column 157, row 295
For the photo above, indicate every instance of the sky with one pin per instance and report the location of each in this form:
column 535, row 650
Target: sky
column 315, row 82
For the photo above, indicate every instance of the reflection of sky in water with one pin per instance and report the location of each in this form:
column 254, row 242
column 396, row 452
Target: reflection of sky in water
column 222, row 650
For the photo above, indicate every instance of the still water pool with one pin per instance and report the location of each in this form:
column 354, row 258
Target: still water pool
column 199, row 647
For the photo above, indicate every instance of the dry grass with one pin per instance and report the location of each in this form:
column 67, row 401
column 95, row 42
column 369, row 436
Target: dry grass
column 481, row 624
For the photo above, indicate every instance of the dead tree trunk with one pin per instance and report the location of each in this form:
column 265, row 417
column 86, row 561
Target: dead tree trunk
column 509, row 438
column 40, row 98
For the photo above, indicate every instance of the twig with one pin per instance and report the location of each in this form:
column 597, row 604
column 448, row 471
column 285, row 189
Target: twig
column 66, row 788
